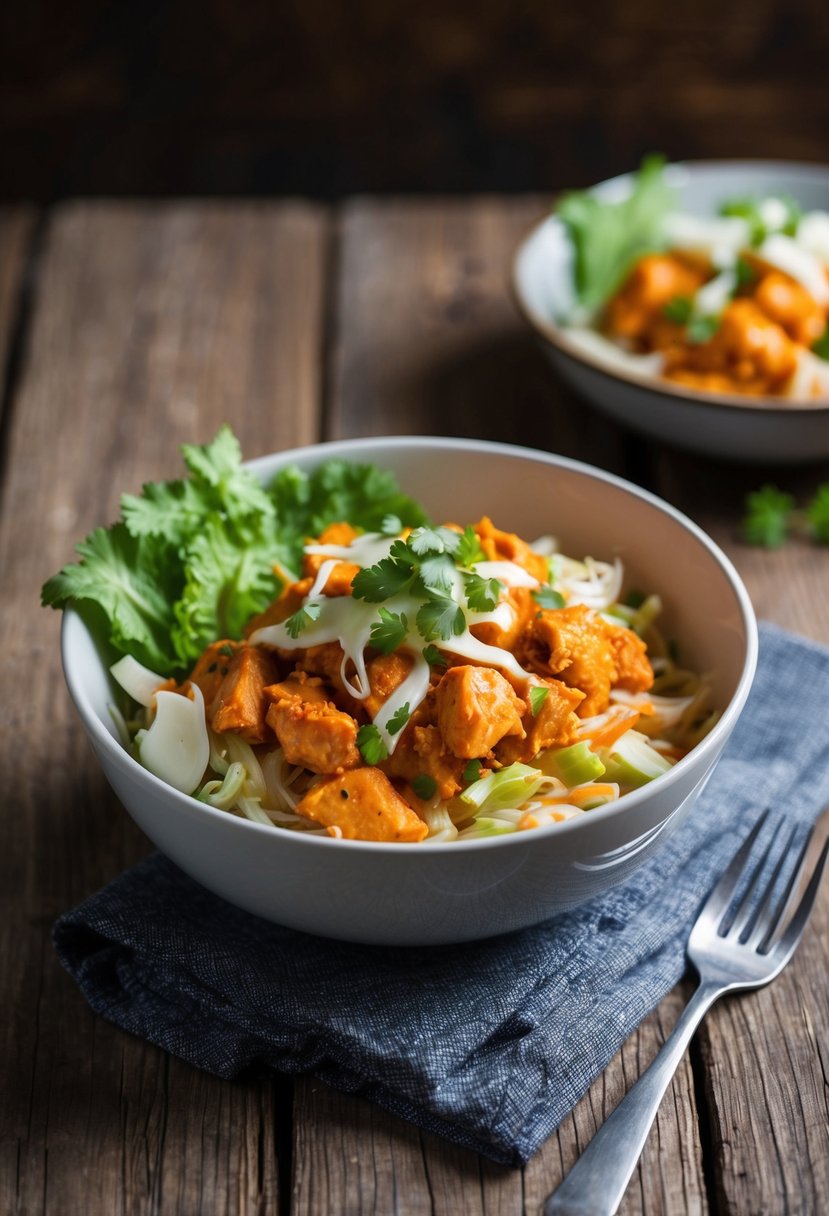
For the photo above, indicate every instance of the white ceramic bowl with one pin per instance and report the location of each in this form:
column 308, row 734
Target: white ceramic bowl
column 751, row 429
column 435, row 893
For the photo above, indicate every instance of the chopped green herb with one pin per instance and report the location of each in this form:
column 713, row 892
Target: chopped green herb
column 745, row 273
column 436, row 572
column 482, row 594
column 821, row 347
column 702, row 329
column 391, row 525
column 538, row 695
column 424, row 786
column 386, row 578
column 635, row 599
column 433, row 656
column 398, row 719
column 472, row 771
column 440, row 617
column 546, row 597
column 389, row 632
column 227, row 650
column 193, row 560
column 434, row 540
column 469, row 550
column 679, row 310
column 751, row 210
column 302, row 619
column 370, row 744
column 768, row 517
column 817, row 515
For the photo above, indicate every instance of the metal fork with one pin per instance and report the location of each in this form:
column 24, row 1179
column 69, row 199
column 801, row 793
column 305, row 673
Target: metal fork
column 732, row 952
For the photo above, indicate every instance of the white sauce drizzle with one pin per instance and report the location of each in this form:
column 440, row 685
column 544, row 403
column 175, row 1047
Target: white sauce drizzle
column 348, row 622
column 509, row 573
column 790, row 257
column 323, row 575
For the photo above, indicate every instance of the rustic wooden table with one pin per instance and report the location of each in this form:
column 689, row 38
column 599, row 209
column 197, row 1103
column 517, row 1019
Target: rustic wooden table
column 126, row 329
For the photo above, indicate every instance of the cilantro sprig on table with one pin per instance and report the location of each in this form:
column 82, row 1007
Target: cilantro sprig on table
column 772, row 517
column 193, row 559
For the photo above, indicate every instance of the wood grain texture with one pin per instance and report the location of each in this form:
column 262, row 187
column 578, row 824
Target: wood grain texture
column 428, row 340
column 348, row 1153
column 16, row 228
column 765, row 1054
column 152, row 326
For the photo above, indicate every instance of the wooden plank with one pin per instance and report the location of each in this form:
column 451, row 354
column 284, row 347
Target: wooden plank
column 428, row 341
column 152, row 325
column 16, row 229
column 765, row 1054
column 351, row 1157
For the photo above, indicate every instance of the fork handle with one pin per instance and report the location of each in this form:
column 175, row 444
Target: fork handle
column 597, row 1182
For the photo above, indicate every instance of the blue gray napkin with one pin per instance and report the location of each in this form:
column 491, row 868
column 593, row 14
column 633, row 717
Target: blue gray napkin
column 490, row 1044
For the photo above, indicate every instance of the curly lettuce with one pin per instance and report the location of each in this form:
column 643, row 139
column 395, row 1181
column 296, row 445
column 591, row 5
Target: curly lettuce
column 193, row 560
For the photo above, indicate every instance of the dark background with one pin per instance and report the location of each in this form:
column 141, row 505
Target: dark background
column 324, row 99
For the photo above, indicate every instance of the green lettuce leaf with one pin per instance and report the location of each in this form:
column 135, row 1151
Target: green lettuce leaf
column 193, row 560
column 607, row 238
column 135, row 580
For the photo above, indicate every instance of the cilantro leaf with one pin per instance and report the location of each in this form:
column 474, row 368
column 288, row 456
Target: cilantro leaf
column 425, row 786
column 702, row 329
column 135, row 584
column 472, row 771
column 398, row 719
column 391, row 525
column 751, row 210
column 470, row 550
column 547, row 597
column 370, row 744
column 817, row 515
column 440, row 617
column 434, row 540
column 821, row 347
column 436, row 572
column 302, row 618
column 538, row 695
column 433, row 656
column 679, row 310
column 386, row 578
column 482, row 594
column 389, row 632
column 746, row 274
column 767, row 518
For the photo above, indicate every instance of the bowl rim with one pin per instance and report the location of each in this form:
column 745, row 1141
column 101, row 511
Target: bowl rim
column 556, row 335
column 117, row 754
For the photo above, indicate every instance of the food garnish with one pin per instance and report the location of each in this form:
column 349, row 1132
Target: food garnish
column 374, row 675
column 772, row 517
column 737, row 302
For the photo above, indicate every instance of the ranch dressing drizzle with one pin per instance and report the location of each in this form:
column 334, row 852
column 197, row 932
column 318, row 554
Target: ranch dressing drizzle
column 348, row 622
column 790, row 257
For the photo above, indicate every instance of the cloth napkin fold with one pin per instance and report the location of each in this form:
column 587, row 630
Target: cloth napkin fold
column 491, row 1043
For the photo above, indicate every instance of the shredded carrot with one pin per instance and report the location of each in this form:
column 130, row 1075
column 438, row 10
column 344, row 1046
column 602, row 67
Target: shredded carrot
column 614, row 723
column 584, row 793
column 527, row 821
